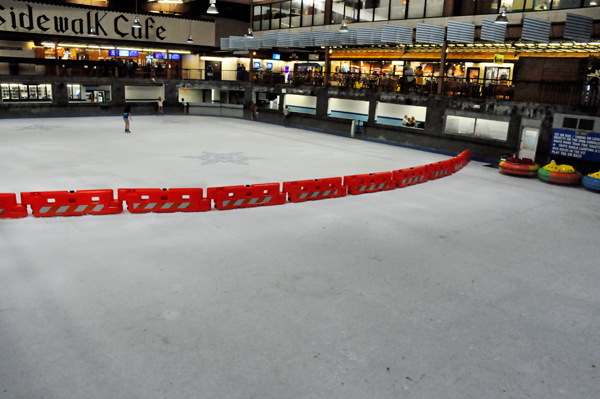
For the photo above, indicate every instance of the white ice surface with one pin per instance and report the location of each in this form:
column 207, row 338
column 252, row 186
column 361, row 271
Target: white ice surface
column 477, row 285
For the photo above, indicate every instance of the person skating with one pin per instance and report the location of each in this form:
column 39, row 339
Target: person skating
column 127, row 118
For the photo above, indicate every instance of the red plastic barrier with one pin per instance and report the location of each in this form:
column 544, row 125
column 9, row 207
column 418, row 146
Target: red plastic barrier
column 145, row 200
column 466, row 154
column 10, row 208
column 369, row 183
column 246, row 196
column 411, row 176
column 310, row 190
column 441, row 169
column 72, row 203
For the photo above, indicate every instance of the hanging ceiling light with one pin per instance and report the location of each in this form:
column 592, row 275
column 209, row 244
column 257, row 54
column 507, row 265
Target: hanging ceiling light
column 92, row 32
column 212, row 9
column 502, row 19
column 344, row 27
column 250, row 35
column 136, row 20
column 189, row 40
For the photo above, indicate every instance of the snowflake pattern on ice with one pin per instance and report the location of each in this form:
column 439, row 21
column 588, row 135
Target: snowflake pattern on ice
column 47, row 128
column 209, row 158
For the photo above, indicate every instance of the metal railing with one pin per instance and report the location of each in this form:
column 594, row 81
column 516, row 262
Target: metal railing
column 573, row 93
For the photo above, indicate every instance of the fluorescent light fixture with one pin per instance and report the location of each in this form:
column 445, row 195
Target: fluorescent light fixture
column 48, row 44
column 180, row 52
column 129, row 48
column 554, row 44
column 520, row 44
column 71, row 45
column 153, row 50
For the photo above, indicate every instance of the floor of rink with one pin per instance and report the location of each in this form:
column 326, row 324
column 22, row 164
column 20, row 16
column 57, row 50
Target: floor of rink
column 477, row 285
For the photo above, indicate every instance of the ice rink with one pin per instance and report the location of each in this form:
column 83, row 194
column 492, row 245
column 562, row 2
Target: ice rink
column 477, row 285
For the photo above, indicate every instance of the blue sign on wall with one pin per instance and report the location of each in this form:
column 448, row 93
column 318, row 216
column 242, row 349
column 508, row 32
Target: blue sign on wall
column 576, row 144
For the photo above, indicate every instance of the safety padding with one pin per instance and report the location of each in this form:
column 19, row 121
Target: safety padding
column 317, row 189
column 369, row 183
column 72, row 203
column 10, row 208
column 246, row 196
column 441, row 169
column 411, row 176
column 144, row 200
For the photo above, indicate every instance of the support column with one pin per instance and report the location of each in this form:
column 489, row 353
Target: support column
column 442, row 68
column 327, row 68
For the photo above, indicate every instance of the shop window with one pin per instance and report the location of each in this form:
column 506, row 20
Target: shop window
column 307, row 12
column 416, row 9
column 26, row 92
column 351, row 10
column 382, row 10
column 397, row 9
column 479, row 127
column 266, row 17
column 319, row 13
column 435, row 8
column 275, row 15
column 257, row 17
column 366, row 10
column 285, row 14
column 558, row 4
column 337, row 11
column 296, row 13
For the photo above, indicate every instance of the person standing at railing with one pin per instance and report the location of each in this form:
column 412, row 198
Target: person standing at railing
column 209, row 72
column 409, row 77
column 419, row 77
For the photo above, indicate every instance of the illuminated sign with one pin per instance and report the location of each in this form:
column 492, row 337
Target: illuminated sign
column 276, row 56
column 174, row 56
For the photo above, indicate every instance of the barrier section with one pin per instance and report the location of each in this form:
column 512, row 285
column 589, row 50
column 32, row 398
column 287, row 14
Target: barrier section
column 72, row 203
column 145, row 200
column 466, row 155
column 441, row 169
column 411, row 176
column 10, row 208
column 459, row 163
column 246, row 196
column 369, row 183
column 317, row 189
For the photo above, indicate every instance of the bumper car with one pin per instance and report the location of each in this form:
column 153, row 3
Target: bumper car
column 592, row 181
column 559, row 174
column 519, row 166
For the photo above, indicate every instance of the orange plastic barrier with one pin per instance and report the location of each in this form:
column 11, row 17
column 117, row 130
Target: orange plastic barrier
column 369, row 183
column 144, row 200
column 411, row 176
column 10, row 208
column 310, row 190
column 72, row 203
column 441, row 169
column 246, row 196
